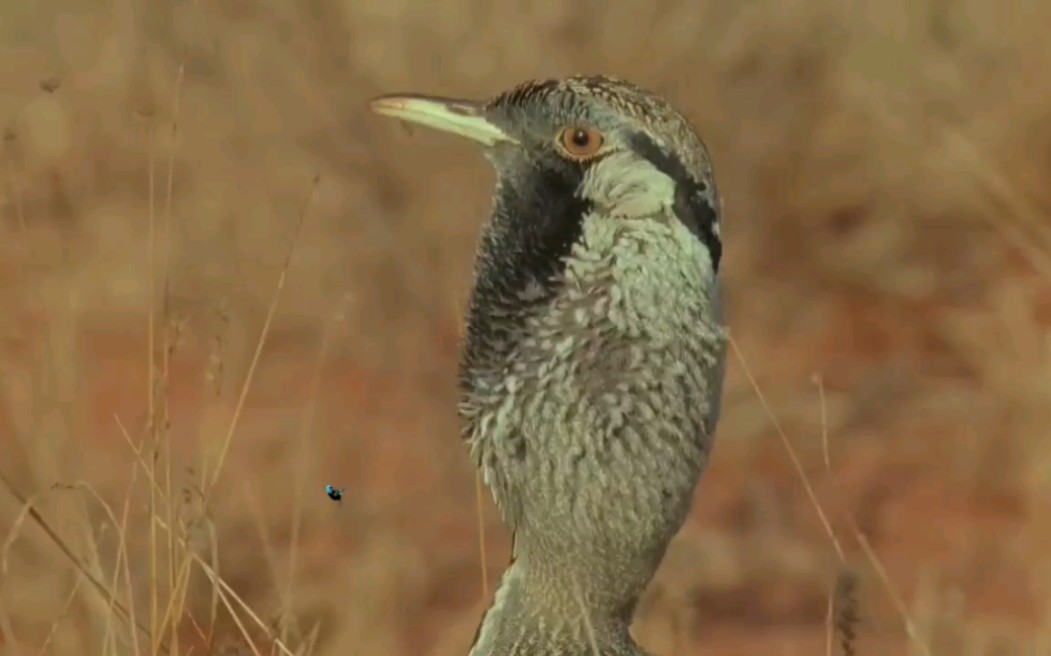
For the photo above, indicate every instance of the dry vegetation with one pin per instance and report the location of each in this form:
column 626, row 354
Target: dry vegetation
column 884, row 166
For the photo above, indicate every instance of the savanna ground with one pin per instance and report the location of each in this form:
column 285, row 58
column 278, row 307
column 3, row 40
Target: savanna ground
column 883, row 165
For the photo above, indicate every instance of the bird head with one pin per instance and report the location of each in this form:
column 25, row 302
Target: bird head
column 565, row 148
column 572, row 156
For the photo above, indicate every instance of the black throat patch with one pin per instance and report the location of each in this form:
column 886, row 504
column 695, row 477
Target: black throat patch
column 537, row 218
column 693, row 205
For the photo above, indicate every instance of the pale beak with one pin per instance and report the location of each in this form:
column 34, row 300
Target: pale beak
column 463, row 117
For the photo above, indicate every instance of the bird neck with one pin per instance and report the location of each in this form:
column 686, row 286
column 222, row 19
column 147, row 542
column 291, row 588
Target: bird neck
column 535, row 614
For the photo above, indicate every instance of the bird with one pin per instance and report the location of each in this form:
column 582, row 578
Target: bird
column 334, row 493
column 593, row 358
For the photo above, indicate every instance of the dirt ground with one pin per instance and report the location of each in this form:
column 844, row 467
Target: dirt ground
column 883, row 165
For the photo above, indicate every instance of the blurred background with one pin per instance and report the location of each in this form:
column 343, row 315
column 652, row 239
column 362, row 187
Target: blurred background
column 883, row 165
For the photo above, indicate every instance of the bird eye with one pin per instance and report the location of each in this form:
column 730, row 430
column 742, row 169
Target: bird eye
column 580, row 142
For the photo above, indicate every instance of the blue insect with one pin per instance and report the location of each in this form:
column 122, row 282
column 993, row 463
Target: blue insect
column 334, row 493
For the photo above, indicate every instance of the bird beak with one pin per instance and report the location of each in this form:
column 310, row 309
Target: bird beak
column 463, row 117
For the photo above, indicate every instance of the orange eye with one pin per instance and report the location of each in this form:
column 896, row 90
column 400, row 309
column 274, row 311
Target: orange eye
column 579, row 142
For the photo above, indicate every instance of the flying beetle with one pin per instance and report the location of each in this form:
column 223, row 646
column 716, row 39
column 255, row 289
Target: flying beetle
column 334, row 493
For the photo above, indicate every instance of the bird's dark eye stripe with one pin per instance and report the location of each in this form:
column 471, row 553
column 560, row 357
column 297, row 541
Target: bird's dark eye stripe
column 693, row 204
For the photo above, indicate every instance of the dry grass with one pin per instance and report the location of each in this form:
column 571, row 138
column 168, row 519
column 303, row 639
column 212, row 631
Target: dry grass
column 226, row 286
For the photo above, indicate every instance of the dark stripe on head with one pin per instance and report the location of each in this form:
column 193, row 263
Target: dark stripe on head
column 524, row 93
column 694, row 204
column 537, row 218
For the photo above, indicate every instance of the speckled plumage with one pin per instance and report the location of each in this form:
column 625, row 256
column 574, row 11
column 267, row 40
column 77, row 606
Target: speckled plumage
column 594, row 437
column 593, row 360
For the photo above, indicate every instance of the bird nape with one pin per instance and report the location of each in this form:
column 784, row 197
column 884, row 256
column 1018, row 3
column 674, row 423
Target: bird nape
column 592, row 367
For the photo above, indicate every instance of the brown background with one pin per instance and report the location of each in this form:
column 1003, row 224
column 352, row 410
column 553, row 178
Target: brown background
column 884, row 166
